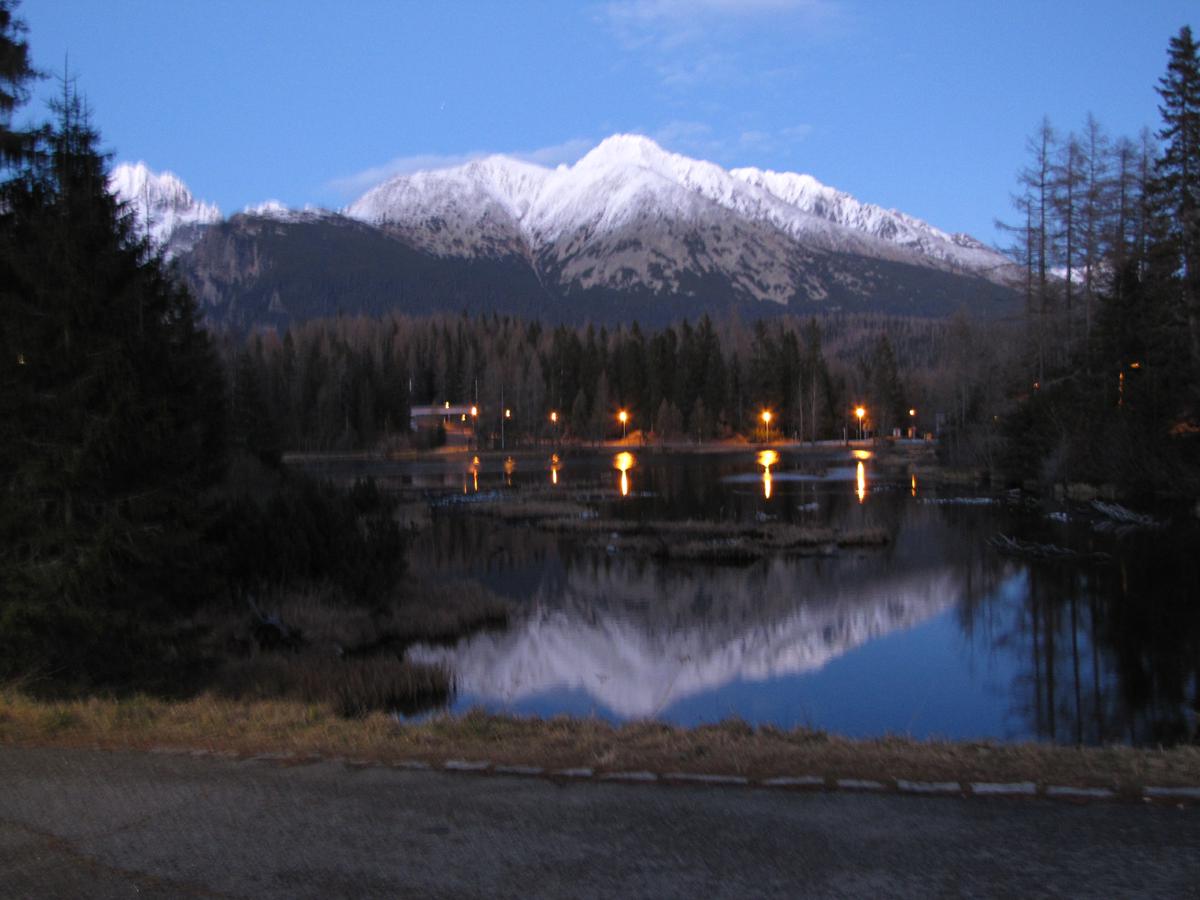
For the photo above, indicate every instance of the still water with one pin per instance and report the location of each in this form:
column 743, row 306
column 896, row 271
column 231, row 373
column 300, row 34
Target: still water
column 935, row 634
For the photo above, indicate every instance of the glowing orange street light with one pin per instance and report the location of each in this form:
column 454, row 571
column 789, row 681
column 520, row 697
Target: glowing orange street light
column 912, row 412
column 474, row 411
column 766, row 418
column 860, row 411
column 623, row 417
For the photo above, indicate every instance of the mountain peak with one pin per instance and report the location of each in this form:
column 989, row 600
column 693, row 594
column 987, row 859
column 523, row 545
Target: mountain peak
column 626, row 149
column 160, row 202
column 498, row 205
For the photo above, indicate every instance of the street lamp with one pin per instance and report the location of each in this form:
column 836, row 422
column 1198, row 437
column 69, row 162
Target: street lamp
column 860, row 412
column 766, row 417
column 554, row 423
column 624, row 419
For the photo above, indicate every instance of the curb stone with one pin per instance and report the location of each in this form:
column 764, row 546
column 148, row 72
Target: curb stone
column 928, row 787
column 518, row 770
column 814, row 781
column 859, row 784
column 1077, row 793
column 706, row 779
column 1020, row 788
column 1147, row 793
column 1173, row 793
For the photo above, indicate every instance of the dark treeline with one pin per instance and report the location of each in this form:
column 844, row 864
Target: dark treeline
column 124, row 515
column 349, row 383
column 1108, row 233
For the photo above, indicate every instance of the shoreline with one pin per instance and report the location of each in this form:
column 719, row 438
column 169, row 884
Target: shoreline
column 731, row 752
column 631, row 443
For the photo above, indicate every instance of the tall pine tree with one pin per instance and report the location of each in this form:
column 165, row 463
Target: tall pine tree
column 15, row 74
column 1179, row 176
column 111, row 424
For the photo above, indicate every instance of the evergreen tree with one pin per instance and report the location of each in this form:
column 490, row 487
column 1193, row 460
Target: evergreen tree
column 111, row 424
column 1178, row 175
column 887, row 393
column 15, row 75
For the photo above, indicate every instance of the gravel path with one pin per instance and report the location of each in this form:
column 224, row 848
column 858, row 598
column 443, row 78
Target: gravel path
column 122, row 824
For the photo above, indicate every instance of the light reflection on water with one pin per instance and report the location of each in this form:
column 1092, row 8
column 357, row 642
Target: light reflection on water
column 766, row 459
column 933, row 634
column 623, row 462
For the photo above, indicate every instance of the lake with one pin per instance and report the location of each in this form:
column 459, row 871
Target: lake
column 938, row 633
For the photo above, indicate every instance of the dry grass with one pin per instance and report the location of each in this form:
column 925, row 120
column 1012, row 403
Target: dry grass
column 297, row 727
column 349, row 686
column 346, row 656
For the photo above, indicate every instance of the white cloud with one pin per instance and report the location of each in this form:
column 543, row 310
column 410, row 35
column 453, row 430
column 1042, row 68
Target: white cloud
column 349, row 186
column 690, row 42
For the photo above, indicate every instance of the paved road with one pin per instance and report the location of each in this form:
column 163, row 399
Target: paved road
column 85, row 823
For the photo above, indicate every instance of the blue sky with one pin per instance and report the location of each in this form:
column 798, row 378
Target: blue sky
column 920, row 106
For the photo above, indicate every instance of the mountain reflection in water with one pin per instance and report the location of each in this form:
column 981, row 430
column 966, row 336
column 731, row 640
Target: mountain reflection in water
column 636, row 666
column 935, row 634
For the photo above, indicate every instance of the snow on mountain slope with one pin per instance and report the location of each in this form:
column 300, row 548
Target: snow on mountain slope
column 471, row 210
column 160, row 201
column 630, row 213
column 276, row 211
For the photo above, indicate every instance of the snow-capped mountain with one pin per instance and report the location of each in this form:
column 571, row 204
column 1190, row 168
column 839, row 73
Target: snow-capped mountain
column 630, row 231
column 632, row 214
column 161, row 202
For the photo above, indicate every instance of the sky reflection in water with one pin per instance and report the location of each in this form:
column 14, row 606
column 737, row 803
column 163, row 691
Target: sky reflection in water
column 933, row 635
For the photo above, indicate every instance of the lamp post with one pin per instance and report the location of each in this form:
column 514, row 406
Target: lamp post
column 766, row 417
column 860, row 412
column 554, row 423
column 623, row 417
column 475, row 425
column 912, row 422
